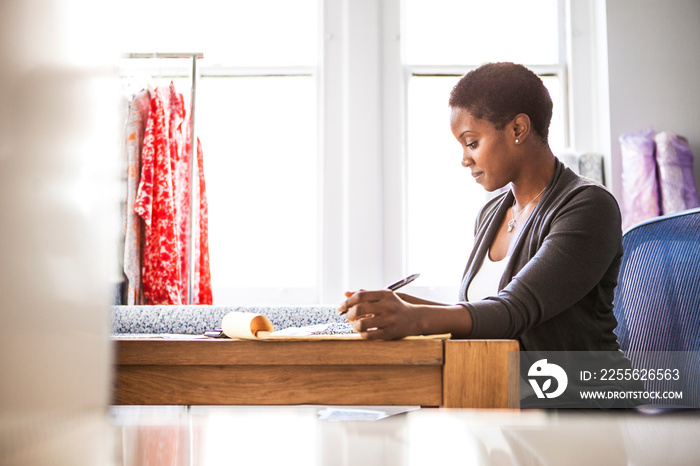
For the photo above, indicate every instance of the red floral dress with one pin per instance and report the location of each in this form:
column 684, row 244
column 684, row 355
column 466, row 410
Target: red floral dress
column 163, row 203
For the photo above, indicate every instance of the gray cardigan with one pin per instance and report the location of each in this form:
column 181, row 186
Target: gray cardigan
column 556, row 292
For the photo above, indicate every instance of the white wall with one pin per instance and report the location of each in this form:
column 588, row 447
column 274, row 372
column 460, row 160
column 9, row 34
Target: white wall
column 654, row 72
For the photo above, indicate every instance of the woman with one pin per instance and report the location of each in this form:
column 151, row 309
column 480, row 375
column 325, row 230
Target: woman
column 547, row 251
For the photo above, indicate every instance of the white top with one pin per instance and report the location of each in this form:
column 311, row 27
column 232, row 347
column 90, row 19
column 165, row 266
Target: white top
column 485, row 282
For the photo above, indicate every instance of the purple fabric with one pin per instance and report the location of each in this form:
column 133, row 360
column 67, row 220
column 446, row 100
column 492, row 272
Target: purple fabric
column 675, row 164
column 640, row 194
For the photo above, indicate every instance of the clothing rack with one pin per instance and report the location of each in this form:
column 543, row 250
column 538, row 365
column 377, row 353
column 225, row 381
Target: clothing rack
column 193, row 152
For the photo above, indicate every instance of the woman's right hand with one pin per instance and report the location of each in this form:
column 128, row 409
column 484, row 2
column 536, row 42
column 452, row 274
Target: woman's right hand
column 380, row 314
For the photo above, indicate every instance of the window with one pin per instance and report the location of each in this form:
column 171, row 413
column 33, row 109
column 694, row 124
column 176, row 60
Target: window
column 261, row 171
column 443, row 40
column 328, row 156
column 256, row 115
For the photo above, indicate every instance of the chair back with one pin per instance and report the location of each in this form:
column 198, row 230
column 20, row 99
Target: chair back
column 657, row 299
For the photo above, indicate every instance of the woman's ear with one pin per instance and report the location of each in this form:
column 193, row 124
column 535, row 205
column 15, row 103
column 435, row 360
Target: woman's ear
column 521, row 128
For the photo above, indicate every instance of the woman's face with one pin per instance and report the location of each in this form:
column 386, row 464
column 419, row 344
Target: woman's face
column 486, row 149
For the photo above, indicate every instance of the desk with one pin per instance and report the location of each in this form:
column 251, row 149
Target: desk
column 447, row 373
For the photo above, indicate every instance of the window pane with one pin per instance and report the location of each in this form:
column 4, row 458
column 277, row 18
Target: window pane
column 557, row 139
column 442, row 197
column 251, row 33
column 259, row 141
column 471, row 32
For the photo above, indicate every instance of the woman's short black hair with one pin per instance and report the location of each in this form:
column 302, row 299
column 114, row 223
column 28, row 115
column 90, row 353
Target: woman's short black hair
column 498, row 92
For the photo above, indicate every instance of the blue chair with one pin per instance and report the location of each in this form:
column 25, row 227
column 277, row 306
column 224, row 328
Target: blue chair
column 657, row 301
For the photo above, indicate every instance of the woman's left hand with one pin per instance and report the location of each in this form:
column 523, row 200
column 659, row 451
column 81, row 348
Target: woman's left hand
column 380, row 315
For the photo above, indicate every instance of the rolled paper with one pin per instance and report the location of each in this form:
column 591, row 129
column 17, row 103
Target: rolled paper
column 246, row 325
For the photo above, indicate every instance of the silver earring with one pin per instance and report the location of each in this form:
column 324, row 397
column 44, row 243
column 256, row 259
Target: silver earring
column 517, row 141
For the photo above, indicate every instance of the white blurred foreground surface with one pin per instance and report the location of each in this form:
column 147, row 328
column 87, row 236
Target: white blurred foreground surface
column 300, row 436
column 58, row 135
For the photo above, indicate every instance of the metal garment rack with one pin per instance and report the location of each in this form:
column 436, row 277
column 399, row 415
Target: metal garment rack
column 194, row 181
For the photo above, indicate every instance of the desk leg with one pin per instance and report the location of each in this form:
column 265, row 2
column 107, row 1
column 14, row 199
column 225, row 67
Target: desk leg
column 475, row 374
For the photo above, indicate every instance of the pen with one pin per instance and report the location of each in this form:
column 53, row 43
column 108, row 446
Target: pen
column 397, row 285
column 404, row 282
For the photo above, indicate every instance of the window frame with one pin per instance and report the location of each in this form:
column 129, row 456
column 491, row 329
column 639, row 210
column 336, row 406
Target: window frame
column 176, row 69
column 395, row 243
column 361, row 102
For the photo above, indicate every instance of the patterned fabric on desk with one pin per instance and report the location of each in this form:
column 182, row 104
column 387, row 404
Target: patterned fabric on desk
column 195, row 320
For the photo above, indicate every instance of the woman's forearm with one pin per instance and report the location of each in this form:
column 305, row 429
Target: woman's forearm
column 440, row 319
column 414, row 300
column 432, row 318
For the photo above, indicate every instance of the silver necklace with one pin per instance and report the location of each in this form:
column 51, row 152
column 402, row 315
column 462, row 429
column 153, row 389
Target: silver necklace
column 513, row 222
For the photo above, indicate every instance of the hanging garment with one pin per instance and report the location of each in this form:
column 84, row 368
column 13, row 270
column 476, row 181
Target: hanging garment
column 180, row 163
column 675, row 162
column 155, row 203
column 640, row 193
column 163, row 201
column 139, row 110
column 184, row 186
column 202, row 284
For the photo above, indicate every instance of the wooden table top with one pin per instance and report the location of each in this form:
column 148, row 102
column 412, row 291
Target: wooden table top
column 218, row 351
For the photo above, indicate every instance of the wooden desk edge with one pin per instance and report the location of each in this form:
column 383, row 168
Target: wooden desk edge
column 481, row 374
column 475, row 373
column 187, row 352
